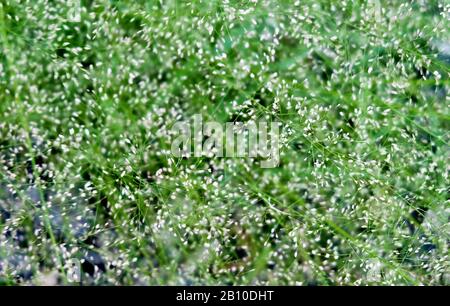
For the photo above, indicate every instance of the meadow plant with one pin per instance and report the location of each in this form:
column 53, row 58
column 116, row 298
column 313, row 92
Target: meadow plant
column 91, row 192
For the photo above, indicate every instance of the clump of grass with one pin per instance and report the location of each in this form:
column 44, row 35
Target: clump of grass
column 89, row 193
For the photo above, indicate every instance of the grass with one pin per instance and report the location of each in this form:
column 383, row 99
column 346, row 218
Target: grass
column 90, row 193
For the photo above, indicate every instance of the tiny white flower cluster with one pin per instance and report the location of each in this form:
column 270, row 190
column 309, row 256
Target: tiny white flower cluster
column 91, row 192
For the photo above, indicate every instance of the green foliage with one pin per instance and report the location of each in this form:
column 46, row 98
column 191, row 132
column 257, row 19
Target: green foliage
column 87, row 181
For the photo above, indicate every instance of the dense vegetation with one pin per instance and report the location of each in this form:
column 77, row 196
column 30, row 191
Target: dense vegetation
column 89, row 91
